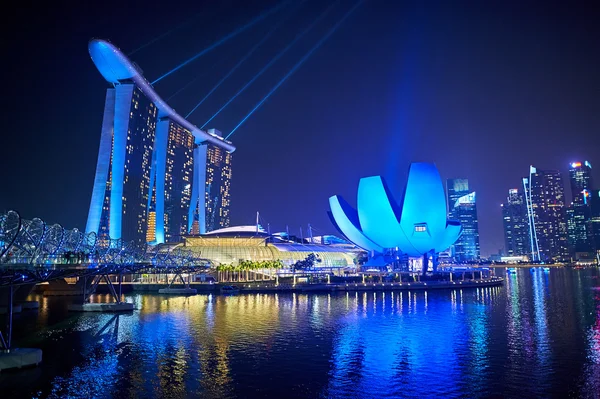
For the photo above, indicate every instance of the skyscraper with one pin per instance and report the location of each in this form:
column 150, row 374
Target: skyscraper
column 580, row 176
column 151, row 169
column 211, row 211
column 595, row 218
column 546, row 213
column 516, row 228
column 462, row 207
column 119, row 206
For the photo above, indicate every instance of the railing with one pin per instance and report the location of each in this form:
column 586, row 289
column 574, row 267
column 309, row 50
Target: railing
column 34, row 244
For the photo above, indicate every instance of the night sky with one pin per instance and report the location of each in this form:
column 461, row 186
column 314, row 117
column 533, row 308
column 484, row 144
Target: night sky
column 483, row 89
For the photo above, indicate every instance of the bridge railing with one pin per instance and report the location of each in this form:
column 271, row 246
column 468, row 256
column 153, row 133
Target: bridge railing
column 34, row 242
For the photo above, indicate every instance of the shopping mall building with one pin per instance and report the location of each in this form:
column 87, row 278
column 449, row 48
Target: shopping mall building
column 234, row 244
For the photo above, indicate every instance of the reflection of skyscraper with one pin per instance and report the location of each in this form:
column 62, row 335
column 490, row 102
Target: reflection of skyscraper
column 151, row 171
column 580, row 176
column 516, row 228
column 462, row 207
column 545, row 200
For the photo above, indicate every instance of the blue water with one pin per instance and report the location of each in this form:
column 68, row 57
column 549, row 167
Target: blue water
column 538, row 336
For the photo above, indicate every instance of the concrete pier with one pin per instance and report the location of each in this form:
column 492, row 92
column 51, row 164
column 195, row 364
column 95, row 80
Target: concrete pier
column 101, row 307
column 178, row 291
column 20, row 357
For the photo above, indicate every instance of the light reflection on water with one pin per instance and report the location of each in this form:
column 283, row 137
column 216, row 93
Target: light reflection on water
column 538, row 336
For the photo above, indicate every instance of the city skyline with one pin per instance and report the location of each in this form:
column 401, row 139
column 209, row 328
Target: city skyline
column 480, row 127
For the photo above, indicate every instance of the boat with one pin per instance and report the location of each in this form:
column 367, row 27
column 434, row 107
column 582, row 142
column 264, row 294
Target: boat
column 229, row 289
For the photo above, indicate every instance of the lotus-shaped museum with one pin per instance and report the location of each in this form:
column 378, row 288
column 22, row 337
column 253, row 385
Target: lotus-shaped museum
column 417, row 226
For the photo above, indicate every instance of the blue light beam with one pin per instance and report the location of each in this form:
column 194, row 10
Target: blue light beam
column 167, row 33
column 298, row 65
column 224, row 39
column 206, row 72
column 273, row 60
column 240, row 62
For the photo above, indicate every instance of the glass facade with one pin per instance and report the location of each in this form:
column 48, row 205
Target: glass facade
column 516, row 227
column 231, row 250
column 582, row 236
column 210, row 208
column 546, row 212
column 123, row 169
column 462, row 206
column 178, row 170
column 595, row 219
column 218, row 184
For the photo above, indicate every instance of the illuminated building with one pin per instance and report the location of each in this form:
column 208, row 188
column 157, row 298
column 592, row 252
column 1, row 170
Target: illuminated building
column 234, row 244
column 580, row 176
column 152, row 163
column 546, row 215
column 595, row 219
column 417, row 227
column 211, row 210
column 516, row 228
column 463, row 207
column 173, row 171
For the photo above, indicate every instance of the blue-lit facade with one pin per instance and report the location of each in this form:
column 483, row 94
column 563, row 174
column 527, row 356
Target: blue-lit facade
column 462, row 206
column 210, row 208
column 154, row 167
column 416, row 227
column 123, row 167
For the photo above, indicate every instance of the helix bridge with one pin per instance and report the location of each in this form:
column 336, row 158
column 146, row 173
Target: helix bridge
column 33, row 251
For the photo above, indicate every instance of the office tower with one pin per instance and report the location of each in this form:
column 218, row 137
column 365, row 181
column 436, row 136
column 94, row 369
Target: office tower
column 546, row 213
column 212, row 207
column 152, row 163
column 571, row 230
column 595, row 219
column 516, row 228
column 580, row 176
column 462, row 207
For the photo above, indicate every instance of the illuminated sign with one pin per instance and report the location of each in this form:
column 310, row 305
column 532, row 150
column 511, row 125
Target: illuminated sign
column 576, row 165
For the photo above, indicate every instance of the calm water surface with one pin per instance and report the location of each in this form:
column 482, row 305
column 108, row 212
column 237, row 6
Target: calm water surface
column 538, row 336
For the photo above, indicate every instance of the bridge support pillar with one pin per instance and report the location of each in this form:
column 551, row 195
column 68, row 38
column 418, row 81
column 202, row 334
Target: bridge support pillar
column 18, row 357
column 185, row 290
column 86, row 306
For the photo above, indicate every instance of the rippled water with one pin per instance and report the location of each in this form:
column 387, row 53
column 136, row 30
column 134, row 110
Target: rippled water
column 538, row 336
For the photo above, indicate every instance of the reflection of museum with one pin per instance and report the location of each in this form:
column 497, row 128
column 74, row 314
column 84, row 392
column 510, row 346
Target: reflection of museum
column 231, row 245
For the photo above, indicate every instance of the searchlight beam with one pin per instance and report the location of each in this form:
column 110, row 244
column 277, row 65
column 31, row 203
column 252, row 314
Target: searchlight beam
column 240, row 62
column 273, row 60
column 298, row 65
column 224, row 39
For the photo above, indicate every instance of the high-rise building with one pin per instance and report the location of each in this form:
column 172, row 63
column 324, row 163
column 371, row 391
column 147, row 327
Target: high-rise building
column 580, row 176
column 516, row 227
column 154, row 166
column 214, row 169
column 595, row 218
column 119, row 206
column 546, row 214
column 463, row 207
column 173, row 172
